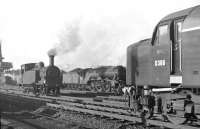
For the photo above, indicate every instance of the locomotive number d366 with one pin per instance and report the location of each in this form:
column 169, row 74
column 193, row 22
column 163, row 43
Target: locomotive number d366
column 159, row 63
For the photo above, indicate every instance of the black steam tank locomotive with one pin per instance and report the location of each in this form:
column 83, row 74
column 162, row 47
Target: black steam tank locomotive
column 41, row 80
column 169, row 61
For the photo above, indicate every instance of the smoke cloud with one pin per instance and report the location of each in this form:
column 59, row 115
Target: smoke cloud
column 52, row 51
column 98, row 41
column 68, row 40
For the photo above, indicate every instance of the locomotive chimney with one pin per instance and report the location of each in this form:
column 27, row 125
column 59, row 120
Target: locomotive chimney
column 51, row 53
column 51, row 60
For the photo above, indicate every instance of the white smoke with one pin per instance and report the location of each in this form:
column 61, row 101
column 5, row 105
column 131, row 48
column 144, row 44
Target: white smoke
column 68, row 40
column 90, row 42
column 52, row 52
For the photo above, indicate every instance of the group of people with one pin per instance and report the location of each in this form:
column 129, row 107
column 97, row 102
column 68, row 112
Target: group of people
column 145, row 104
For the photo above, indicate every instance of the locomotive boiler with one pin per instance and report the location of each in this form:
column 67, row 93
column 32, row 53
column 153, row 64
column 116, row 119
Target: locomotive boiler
column 53, row 77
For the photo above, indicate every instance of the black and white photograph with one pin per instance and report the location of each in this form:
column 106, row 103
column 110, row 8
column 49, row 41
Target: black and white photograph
column 99, row 64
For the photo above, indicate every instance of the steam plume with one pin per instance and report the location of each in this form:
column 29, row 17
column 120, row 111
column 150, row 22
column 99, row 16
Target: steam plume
column 52, row 52
column 97, row 42
column 69, row 40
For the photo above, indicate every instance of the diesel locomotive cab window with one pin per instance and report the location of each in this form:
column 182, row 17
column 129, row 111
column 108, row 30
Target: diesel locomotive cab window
column 178, row 31
column 162, row 34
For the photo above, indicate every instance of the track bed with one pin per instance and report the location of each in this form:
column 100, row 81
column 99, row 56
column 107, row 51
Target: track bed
column 106, row 109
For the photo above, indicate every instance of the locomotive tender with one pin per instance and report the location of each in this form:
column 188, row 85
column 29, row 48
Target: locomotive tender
column 40, row 79
column 171, row 58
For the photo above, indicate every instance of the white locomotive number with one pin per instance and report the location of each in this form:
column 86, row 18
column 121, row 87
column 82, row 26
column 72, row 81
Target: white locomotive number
column 159, row 63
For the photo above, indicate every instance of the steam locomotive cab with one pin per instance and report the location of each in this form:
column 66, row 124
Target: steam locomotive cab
column 30, row 76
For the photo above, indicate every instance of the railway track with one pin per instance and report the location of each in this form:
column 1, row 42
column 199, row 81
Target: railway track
column 112, row 113
column 101, row 110
column 31, row 120
column 84, row 101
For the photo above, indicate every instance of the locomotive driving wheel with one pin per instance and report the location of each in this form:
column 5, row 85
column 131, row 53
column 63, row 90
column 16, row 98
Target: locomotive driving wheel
column 56, row 91
column 42, row 89
column 147, row 112
column 35, row 89
column 92, row 87
column 46, row 90
column 98, row 87
column 107, row 87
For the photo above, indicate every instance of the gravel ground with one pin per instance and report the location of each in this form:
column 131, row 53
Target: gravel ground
column 72, row 120
column 22, row 113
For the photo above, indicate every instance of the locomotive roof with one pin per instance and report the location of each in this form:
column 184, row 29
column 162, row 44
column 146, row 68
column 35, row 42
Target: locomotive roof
column 100, row 68
column 145, row 41
column 181, row 13
column 28, row 64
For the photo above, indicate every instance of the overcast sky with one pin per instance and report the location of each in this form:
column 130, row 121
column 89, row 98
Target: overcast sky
column 84, row 32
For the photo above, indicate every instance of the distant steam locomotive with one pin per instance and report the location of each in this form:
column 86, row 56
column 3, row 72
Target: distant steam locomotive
column 40, row 79
column 43, row 80
column 101, row 79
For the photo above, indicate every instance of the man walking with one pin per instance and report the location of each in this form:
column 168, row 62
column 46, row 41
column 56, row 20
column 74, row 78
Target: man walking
column 189, row 110
column 151, row 104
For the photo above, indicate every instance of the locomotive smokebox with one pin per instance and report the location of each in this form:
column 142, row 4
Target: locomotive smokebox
column 51, row 60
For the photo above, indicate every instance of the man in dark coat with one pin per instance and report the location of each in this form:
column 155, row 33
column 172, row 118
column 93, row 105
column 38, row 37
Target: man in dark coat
column 189, row 110
column 151, row 104
column 159, row 104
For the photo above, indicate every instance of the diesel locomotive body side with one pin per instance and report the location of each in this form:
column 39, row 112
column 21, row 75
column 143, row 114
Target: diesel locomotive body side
column 139, row 62
column 131, row 64
column 144, row 59
column 191, row 49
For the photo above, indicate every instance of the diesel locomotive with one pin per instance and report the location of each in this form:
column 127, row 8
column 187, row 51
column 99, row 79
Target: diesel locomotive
column 169, row 61
column 171, row 57
column 40, row 79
